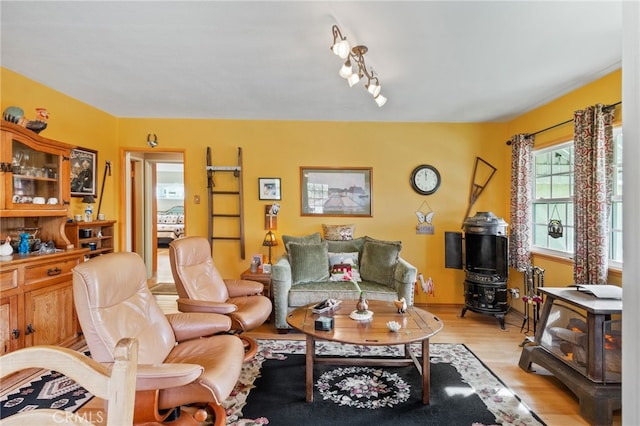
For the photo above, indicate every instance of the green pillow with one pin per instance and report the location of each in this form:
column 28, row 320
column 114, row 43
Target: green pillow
column 309, row 262
column 346, row 246
column 379, row 260
column 306, row 239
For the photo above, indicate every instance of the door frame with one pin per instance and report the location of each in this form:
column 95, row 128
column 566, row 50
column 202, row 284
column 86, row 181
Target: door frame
column 138, row 227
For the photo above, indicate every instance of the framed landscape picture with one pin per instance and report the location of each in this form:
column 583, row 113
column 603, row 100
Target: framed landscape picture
column 326, row 191
column 83, row 172
column 269, row 189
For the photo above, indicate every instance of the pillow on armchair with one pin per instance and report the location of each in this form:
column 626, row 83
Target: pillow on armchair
column 309, row 262
column 379, row 260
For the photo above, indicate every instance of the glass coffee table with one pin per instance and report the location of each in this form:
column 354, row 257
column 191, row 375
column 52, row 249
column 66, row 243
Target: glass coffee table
column 417, row 324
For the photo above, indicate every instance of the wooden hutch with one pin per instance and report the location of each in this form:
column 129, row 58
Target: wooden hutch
column 36, row 294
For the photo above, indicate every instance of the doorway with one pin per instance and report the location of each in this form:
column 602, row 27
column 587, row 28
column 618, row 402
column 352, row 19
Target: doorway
column 152, row 179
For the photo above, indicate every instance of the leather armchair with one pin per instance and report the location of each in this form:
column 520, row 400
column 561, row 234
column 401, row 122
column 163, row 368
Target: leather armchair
column 201, row 288
column 182, row 358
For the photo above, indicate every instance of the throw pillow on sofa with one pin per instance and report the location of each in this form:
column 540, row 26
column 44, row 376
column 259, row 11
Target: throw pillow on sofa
column 338, row 232
column 309, row 262
column 379, row 260
column 338, row 273
column 305, row 239
column 346, row 246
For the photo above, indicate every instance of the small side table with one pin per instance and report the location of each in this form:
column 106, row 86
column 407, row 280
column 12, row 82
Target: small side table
column 260, row 277
column 263, row 278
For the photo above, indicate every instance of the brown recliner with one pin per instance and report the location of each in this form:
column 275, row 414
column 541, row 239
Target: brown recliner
column 201, row 288
column 182, row 358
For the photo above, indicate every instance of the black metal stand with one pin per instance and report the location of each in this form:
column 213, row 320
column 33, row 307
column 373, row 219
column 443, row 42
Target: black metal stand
column 107, row 167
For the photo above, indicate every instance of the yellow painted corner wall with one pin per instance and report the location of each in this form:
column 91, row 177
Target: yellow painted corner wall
column 606, row 90
column 392, row 150
column 70, row 121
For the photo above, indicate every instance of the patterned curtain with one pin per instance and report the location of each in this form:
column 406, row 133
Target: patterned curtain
column 593, row 186
column 520, row 207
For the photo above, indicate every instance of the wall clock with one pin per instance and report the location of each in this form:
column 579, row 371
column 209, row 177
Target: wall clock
column 425, row 179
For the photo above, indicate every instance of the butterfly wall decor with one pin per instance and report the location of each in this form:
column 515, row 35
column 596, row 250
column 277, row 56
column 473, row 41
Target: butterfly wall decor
column 425, row 225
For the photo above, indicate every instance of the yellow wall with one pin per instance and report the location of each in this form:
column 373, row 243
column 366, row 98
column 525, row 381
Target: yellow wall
column 279, row 148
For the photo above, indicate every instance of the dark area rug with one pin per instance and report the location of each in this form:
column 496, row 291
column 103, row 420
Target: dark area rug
column 280, row 397
column 463, row 390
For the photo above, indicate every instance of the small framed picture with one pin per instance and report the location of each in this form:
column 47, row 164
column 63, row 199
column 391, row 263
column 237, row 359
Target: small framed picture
column 257, row 259
column 83, row 172
column 266, row 268
column 269, row 189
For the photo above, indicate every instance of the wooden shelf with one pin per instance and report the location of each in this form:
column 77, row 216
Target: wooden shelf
column 101, row 232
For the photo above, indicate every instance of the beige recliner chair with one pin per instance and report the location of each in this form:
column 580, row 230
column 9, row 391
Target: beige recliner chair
column 181, row 359
column 201, row 288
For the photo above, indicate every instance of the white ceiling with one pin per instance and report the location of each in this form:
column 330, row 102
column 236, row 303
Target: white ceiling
column 447, row 61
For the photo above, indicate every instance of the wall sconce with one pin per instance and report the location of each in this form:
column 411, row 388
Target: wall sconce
column 356, row 55
column 271, row 216
column 152, row 140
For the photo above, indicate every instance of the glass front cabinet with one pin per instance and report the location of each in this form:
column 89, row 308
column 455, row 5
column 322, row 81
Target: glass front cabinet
column 36, row 286
column 32, row 171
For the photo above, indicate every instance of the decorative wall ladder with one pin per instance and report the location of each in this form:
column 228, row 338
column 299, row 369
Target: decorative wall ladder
column 213, row 193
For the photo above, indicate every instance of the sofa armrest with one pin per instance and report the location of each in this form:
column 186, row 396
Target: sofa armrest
column 280, row 286
column 405, row 279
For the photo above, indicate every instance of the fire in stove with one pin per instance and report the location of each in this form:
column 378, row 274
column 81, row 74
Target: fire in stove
column 573, row 340
column 566, row 335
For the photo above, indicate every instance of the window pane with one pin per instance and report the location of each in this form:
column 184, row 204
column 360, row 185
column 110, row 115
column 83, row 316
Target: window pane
column 543, row 162
column 543, row 187
column 617, row 187
column 558, row 243
column 616, row 246
column 540, row 235
column 561, row 186
column 540, row 213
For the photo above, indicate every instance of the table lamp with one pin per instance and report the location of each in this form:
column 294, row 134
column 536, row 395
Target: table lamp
column 270, row 241
column 88, row 211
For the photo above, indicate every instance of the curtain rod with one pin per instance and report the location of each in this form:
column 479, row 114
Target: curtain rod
column 564, row 122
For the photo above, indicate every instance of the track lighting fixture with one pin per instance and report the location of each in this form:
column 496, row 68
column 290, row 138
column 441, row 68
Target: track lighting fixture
column 355, row 55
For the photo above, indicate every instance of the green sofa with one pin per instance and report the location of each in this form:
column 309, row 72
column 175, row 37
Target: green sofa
column 308, row 273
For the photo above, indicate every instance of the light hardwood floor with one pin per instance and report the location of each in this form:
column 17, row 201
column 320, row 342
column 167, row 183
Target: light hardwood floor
column 498, row 349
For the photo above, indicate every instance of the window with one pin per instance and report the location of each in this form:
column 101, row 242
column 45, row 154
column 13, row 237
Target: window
column 553, row 198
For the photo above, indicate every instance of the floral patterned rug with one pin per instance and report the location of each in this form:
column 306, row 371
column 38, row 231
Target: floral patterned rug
column 271, row 389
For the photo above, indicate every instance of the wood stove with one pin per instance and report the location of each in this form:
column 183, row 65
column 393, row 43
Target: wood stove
column 486, row 265
column 579, row 340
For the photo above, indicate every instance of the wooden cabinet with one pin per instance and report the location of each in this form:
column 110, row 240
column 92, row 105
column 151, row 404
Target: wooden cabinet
column 36, row 302
column 35, row 173
column 36, row 293
column 8, row 324
column 97, row 236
